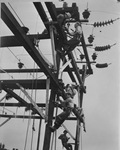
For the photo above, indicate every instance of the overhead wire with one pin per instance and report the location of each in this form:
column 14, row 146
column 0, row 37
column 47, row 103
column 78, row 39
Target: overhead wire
column 29, row 112
column 29, row 121
column 23, row 25
column 13, row 54
column 18, row 59
column 28, row 125
column 17, row 107
column 39, row 133
column 98, row 11
column 16, row 13
column 81, row 146
column 56, row 130
column 9, row 111
column 81, row 139
column 33, row 125
column 6, row 72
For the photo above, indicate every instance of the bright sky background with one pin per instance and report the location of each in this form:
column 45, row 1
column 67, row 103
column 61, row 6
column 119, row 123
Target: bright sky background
column 101, row 102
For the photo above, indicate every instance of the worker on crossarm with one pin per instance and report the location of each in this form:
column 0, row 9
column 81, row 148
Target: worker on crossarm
column 76, row 37
column 64, row 139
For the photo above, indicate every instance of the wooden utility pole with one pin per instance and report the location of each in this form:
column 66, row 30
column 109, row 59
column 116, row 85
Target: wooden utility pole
column 20, row 38
column 80, row 102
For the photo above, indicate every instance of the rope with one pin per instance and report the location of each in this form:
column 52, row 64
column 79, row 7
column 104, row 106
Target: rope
column 10, row 111
column 6, row 72
column 3, row 98
column 18, row 59
column 17, row 107
column 26, row 138
column 24, row 97
column 94, row 11
column 81, row 138
column 56, row 130
column 54, row 134
column 4, row 106
column 33, row 125
column 16, row 14
column 36, row 22
column 13, row 54
column 39, row 133
column 29, row 115
column 4, row 122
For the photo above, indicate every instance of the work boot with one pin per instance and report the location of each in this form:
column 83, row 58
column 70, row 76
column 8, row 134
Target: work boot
column 52, row 128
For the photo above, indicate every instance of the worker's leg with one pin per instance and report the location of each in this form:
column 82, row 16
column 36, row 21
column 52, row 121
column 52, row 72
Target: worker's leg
column 68, row 146
column 71, row 44
column 60, row 119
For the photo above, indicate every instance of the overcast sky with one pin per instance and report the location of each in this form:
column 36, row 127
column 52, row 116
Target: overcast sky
column 101, row 102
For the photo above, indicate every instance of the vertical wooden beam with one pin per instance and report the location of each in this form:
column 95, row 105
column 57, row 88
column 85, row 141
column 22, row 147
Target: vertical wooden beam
column 80, row 98
column 86, row 54
column 47, row 136
column 42, row 13
column 53, row 45
column 47, row 98
column 70, row 55
column 38, row 140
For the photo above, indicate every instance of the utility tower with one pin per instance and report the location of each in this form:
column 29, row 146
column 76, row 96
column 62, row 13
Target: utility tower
column 53, row 83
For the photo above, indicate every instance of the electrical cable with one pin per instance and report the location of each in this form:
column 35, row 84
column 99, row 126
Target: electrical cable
column 80, row 138
column 33, row 125
column 17, row 58
column 94, row 11
column 9, row 111
column 39, row 133
column 28, row 125
column 16, row 14
column 6, row 72
column 13, row 54
column 29, row 114
column 56, row 130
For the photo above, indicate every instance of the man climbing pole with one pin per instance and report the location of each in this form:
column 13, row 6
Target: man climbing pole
column 68, row 107
column 64, row 139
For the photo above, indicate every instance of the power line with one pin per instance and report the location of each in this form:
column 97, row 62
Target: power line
column 98, row 11
column 13, row 54
column 16, row 14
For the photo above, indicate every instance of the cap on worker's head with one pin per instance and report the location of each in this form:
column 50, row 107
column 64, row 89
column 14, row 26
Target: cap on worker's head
column 67, row 15
column 64, row 131
column 71, row 89
column 72, row 85
column 77, row 24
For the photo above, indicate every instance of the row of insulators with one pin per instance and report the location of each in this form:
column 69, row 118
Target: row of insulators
column 99, row 24
column 104, row 65
column 102, row 48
